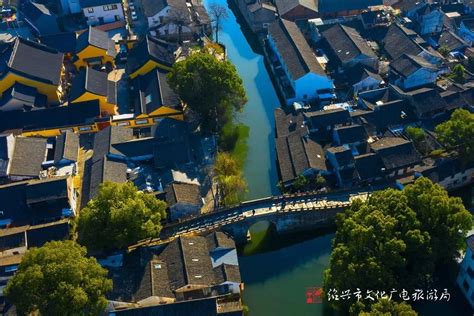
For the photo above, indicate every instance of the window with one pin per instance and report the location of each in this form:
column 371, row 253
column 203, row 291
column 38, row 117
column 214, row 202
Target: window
column 90, row 10
column 141, row 122
column 157, row 119
column 123, row 124
column 85, row 128
column 109, row 7
column 148, row 99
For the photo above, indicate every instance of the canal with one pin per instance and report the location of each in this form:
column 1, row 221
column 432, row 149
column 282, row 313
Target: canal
column 260, row 168
column 277, row 271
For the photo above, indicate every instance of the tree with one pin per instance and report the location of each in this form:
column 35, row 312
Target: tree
column 444, row 50
column 210, row 87
column 385, row 307
column 457, row 74
column 300, row 182
column 58, row 279
column 396, row 238
column 444, row 218
column 458, row 132
column 319, row 181
column 118, row 216
column 229, row 178
column 218, row 13
column 418, row 136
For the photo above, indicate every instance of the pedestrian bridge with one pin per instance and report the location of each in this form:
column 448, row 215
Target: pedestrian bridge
column 288, row 213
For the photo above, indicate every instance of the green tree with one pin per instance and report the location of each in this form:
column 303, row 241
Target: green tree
column 58, row 279
column 457, row 74
column 385, row 307
column 416, row 134
column 396, row 238
column 118, row 216
column 210, row 87
column 320, row 181
column 231, row 183
column 443, row 50
column 300, row 182
column 458, row 132
column 444, row 218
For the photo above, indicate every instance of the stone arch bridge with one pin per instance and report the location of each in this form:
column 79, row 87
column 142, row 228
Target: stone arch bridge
column 288, row 213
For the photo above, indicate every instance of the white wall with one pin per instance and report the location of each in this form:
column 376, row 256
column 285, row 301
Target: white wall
column 154, row 21
column 100, row 12
column 308, row 85
column 419, row 78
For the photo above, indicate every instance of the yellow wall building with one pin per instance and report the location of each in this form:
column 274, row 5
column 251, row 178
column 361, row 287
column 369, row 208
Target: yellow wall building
column 94, row 47
column 33, row 65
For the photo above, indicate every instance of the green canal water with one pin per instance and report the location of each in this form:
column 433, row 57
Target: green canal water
column 277, row 271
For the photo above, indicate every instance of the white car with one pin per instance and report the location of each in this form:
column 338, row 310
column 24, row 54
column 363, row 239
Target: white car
column 134, row 16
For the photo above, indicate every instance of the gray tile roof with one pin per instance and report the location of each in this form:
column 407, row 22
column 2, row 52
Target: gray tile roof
column 369, row 166
column 297, row 154
column 288, row 123
column 396, row 152
column 396, row 43
column 150, row 49
column 351, row 134
column 406, row 65
column 35, row 61
column 346, row 43
column 285, row 6
column 89, row 80
column 186, row 193
column 97, row 38
column 294, row 49
column 153, row 91
column 67, row 147
column 28, row 155
column 325, row 118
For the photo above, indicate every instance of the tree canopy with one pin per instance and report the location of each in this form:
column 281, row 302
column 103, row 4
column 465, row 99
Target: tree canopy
column 210, row 87
column 58, row 279
column 458, row 132
column 396, row 238
column 231, row 183
column 118, row 216
column 457, row 74
column 384, row 307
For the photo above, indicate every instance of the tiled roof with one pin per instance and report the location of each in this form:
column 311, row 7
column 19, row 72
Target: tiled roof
column 288, row 123
column 74, row 114
column 297, row 154
column 67, row 147
column 396, row 152
column 97, row 38
column 294, row 49
column 325, row 118
column 346, row 43
column 153, row 91
column 186, row 193
column 35, row 61
column 351, row 134
column 396, row 43
column 285, row 6
column 406, row 65
column 150, row 49
column 369, row 166
column 28, row 155
column 89, row 80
